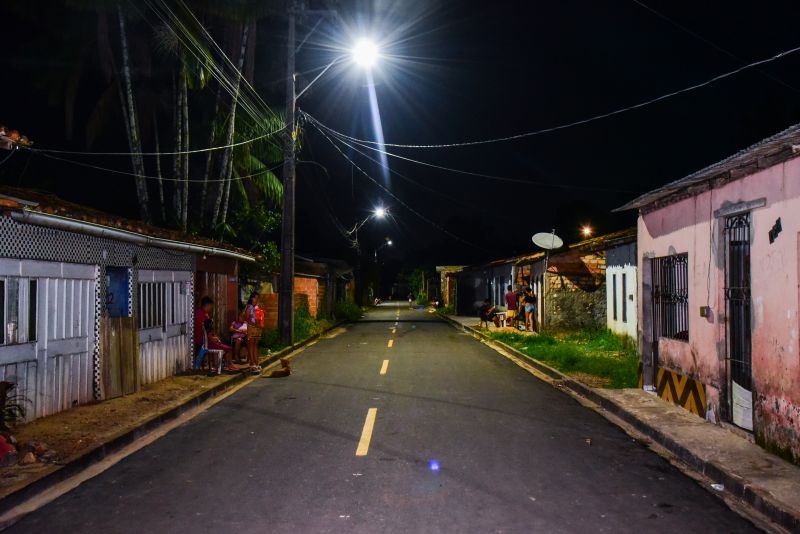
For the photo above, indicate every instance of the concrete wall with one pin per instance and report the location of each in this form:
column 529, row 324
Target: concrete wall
column 689, row 226
column 625, row 322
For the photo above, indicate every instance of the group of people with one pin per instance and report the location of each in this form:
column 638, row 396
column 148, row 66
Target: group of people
column 520, row 310
column 245, row 332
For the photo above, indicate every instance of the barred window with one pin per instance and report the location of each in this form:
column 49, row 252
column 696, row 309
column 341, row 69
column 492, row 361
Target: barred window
column 671, row 296
column 18, row 301
column 162, row 304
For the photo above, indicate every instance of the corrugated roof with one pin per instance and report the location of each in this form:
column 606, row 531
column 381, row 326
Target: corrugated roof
column 601, row 242
column 776, row 149
column 47, row 203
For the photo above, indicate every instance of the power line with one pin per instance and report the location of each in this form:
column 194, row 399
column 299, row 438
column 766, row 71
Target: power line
column 399, row 200
column 344, row 138
column 115, row 171
column 423, row 186
column 176, row 153
column 711, row 43
column 593, row 118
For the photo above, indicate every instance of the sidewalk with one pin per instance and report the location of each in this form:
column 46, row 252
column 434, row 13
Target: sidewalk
column 746, row 472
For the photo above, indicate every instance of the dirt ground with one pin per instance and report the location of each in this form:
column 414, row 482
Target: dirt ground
column 74, row 431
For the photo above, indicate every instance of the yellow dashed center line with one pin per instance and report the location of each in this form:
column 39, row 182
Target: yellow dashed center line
column 384, row 367
column 391, row 342
column 366, row 433
column 394, row 330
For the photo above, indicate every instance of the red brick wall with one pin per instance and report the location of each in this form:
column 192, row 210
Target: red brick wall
column 309, row 288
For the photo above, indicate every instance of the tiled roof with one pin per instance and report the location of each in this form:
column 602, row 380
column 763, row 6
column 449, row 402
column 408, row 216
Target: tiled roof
column 47, row 203
column 771, row 151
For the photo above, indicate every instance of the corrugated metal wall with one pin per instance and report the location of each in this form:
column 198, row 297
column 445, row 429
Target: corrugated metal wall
column 64, row 311
column 164, row 304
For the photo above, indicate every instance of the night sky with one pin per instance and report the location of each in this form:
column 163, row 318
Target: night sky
column 453, row 71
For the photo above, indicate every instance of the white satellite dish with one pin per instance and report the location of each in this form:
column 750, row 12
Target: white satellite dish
column 547, row 241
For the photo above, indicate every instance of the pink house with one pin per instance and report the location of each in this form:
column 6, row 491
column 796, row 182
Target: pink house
column 719, row 291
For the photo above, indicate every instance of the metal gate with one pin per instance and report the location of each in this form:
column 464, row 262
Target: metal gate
column 737, row 327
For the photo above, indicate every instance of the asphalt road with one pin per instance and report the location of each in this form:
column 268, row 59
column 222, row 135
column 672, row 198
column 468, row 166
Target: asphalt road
column 280, row 454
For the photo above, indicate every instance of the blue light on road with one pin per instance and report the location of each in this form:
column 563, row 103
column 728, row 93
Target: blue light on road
column 433, row 465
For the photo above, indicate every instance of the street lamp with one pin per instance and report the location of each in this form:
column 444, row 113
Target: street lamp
column 387, row 243
column 364, row 53
column 587, row 231
column 378, row 213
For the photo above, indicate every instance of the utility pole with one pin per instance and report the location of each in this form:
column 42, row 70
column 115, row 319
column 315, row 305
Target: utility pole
column 286, row 294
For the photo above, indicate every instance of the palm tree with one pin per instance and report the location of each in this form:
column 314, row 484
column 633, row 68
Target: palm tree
column 132, row 123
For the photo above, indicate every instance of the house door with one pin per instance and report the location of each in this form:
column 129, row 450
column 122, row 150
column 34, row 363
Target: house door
column 119, row 348
column 737, row 299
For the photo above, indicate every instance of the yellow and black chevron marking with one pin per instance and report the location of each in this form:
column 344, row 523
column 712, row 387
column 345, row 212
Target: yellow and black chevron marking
column 682, row 390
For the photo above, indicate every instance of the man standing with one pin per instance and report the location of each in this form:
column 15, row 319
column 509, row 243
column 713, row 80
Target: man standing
column 511, row 305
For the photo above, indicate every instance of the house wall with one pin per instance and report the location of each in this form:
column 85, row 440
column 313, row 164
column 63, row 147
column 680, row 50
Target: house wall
column 626, row 320
column 689, row 226
column 63, row 367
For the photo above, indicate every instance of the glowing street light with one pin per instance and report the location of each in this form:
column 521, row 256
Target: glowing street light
column 587, row 231
column 365, row 53
column 380, row 212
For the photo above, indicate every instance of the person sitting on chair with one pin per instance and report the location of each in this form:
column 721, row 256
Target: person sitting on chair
column 488, row 313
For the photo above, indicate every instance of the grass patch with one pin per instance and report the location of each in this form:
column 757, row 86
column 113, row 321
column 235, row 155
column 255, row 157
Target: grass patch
column 597, row 353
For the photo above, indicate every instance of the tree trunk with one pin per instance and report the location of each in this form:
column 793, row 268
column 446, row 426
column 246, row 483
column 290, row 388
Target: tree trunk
column 212, row 137
column 134, row 141
column 185, row 163
column 227, row 158
column 177, row 159
column 158, row 172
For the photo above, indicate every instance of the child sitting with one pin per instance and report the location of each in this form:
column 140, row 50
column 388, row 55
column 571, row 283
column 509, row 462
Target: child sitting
column 238, row 331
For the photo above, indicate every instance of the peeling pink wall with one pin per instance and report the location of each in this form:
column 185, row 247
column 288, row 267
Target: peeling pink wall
column 689, row 227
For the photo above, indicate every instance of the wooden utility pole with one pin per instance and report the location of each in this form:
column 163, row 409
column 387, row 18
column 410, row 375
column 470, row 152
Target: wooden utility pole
column 286, row 295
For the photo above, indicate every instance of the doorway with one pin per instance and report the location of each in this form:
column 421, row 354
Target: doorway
column 738, row 333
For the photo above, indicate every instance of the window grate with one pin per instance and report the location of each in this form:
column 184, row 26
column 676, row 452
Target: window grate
column 671, row 296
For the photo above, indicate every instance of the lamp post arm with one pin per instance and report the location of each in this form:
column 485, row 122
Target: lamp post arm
column 318, row 76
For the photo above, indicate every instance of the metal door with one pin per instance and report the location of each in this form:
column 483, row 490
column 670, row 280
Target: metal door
column 737, row 301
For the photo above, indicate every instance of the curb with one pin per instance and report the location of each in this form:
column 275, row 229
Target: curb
column 83, row 460
column 756, row 498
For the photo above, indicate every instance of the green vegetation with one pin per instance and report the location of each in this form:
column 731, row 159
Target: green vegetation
column 415, row 280
column 599, row 353
column 448, row 310
column 347, row 310
column 305, row 326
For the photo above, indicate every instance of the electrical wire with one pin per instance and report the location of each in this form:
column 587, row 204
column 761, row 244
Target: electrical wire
column 344, row 138
column 176, row 153
column 426, row 187
column 592, row 118
column 165, row 179
column 398, row 199
column 710, row 43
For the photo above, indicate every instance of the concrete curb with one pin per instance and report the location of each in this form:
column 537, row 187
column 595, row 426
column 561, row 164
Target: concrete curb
column 85, row 459
column 755, row 497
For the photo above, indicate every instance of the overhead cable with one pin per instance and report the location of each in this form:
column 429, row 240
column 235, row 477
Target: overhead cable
column 592, row 118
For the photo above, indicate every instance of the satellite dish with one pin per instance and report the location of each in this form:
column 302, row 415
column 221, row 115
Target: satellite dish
column 547, row 241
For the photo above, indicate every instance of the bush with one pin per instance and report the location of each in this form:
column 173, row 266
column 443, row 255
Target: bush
column 448, row 310
column 303, row 322
column 346, row 310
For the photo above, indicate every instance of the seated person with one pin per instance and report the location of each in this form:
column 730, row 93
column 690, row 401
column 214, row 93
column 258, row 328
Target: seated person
column 488, row 313
column 215, row 343
column 238, row 331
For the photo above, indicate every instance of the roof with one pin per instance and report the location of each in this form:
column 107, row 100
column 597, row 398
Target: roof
column 593, row 244
column 768, row 152
column 40, row 202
